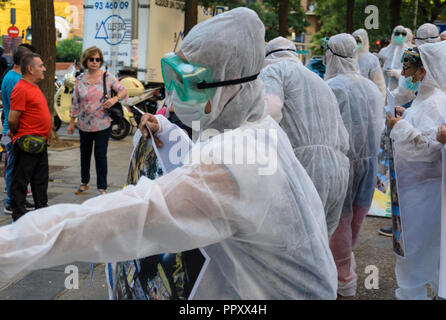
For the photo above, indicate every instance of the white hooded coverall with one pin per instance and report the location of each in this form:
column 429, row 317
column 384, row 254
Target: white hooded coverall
column 418, row 164
column 393, row 53
column 362, row 110
column 307, row 110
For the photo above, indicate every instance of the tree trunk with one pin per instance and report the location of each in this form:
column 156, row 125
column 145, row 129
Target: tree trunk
column 283, row 14
column 44, row 40
column 395, row 9
column 190, row 15
column 350, row 11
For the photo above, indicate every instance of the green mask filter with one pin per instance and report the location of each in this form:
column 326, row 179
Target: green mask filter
column 359, row 46
column 183, row 77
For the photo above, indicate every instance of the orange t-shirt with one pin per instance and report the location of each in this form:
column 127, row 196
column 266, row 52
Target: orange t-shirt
column 35, row 118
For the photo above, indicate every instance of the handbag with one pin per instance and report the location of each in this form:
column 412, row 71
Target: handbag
column 115, row 111
column 31, row 144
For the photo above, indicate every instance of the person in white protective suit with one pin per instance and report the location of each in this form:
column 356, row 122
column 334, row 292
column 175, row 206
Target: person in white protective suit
column 362, row 110
column 409, row 38
column 369, row 64
column 426, row 33
column 307, row 110
column 264, row 230
column 393, row 53
column 418, row 163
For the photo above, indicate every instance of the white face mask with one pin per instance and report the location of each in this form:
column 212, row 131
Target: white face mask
column 188, row 111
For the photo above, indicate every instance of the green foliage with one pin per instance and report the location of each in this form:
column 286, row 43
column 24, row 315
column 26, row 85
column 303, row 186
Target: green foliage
column 268, row 11
column 69, row 50
column 428, row 11
column 333, row 17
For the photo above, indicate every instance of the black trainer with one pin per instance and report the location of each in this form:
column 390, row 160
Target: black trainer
column 29, row 206
column 387, row 231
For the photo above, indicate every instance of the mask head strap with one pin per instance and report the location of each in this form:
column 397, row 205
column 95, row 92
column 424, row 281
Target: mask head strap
column 427, row 38
column 280, row 50
column 337, row 54
column 204, row 85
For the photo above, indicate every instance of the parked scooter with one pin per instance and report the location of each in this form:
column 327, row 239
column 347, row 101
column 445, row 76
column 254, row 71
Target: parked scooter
column 63, row 98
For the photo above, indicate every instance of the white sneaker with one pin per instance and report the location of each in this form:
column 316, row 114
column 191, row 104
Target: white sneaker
column 348, row 289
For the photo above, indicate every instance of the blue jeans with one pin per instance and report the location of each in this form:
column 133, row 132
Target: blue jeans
column 8, row 172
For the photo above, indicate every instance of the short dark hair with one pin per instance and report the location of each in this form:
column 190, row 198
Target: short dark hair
column 26, row 61
column 29, row 47
column 19, row 52
column 91, row 52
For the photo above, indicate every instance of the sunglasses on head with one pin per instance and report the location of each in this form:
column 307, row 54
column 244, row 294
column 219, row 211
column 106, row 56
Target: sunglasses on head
column 94, row 59
column 411, row 56
column 401, row 33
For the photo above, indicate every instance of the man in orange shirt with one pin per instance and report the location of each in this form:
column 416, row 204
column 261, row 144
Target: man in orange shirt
column 30, row 123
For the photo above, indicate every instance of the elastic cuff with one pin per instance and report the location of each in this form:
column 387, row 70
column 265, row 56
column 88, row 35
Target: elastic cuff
column 398, row 129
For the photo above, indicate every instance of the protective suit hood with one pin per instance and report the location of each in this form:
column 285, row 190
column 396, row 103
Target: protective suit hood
column 392, row 55
column 369, row 64
column 431, row 54
column 362, row 34
column 345, row 45
column 236, row 53
column 427, row 33
column 409, row 38
column 287, row 51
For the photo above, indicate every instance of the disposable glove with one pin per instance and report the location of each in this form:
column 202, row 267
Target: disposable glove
column 394, row 73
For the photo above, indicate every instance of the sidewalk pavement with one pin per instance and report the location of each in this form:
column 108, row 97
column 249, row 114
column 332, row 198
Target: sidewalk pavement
column 64, row 178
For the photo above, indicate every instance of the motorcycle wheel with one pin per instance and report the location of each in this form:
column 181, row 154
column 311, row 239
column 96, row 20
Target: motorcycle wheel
column 120, row 129
column 57, row 123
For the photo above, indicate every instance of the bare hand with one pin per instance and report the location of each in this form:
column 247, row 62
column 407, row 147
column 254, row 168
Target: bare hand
column 441, row 134
column 149, row 122
column 110, row 102
column 400, row 111
column 9, row 133
column 391, row 120
column 71, row 128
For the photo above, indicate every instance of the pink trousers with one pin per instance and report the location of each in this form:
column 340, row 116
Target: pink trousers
column 344, row 239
